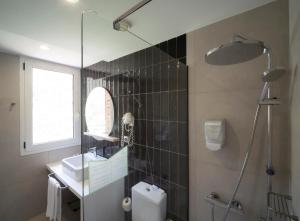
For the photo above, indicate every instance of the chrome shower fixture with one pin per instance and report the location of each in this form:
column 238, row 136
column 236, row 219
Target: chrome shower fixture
column 239, row 50
column 268, row 77
column 273, row 74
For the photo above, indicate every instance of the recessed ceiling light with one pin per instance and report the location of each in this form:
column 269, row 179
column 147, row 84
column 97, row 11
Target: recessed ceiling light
column 72, row 1
column 44, row 47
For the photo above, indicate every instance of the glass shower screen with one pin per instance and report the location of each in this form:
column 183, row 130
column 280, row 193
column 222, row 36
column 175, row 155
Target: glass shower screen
column 109, row 64
column 124, row 81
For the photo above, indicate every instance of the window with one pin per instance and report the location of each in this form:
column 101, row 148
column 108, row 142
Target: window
column 50, row 116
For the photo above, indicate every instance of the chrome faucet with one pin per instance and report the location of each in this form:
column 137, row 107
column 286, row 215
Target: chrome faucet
column 93, row 150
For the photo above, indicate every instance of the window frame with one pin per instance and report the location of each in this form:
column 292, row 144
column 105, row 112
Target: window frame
column 26, row 145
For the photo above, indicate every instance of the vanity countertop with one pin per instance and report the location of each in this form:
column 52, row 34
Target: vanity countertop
column 74, row 186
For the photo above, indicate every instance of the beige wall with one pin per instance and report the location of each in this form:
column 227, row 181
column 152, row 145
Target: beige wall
column 295, row 101
column 231, row 92
column 23, row 180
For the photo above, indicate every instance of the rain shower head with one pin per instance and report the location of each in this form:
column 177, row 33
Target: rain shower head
column 273, row 74
column 238, row 51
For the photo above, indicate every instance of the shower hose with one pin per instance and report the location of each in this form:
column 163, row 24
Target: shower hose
column 245, row 162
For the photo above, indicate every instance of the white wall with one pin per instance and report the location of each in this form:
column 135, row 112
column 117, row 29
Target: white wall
column 295, row 101
column 23, row 180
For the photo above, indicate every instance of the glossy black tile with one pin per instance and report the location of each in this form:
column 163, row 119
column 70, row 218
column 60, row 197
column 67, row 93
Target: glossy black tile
column 156, row 78
column 164, row 135
column 183, row 138
column 149, row 77
column 136, row 74
column 182, row 77
column 173, row 75
column 172, row 48
column 164, row 57
column 181, row 46
column 164, row 68
column 149, row 107
column 143, row 132
column 174, row 166
column 182, row 106
column 165, row 166
column 173, row 145
column 183, row 173
column 164, row 106
column 149, row 132
column 142, row 58
column 149, row 56
column 137, row 106
column 173, row 105
column 143, row 80
column 156, row 134
column 156, row 55
column 136, row 60
column 142, row 111
column 156, row 106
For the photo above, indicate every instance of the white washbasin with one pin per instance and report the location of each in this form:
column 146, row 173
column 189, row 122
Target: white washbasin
column 72, row 166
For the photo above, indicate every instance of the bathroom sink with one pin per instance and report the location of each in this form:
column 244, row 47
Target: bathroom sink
column 72, row 166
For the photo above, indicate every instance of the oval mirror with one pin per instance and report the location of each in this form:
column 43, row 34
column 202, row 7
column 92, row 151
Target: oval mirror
column 99, row 111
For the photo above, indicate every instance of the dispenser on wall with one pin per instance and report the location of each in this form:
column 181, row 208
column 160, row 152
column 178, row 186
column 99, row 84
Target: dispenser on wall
column 214, row 134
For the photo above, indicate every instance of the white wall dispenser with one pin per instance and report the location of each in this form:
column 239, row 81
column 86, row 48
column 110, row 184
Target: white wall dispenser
column 214, row 134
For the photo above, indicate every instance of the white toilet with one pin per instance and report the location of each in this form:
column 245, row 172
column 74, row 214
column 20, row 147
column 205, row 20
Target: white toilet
column 149, row 203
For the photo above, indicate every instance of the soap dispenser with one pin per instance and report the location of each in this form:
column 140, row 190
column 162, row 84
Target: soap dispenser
column 214, row 134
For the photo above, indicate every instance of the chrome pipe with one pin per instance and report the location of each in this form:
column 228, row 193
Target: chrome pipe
column 269, row 142
column 269, row 134
column 269, row 150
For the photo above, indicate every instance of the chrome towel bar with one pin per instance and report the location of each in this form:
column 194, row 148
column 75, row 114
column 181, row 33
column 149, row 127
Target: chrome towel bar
column 62, row 185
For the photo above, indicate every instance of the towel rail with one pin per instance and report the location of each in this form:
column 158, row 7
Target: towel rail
column 62, row 185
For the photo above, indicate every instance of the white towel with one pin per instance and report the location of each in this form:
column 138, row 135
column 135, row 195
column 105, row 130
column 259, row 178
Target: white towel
column 53, row 200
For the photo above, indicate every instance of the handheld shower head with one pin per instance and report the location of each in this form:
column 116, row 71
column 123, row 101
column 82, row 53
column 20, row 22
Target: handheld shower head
column 238, row 51
column 270, row 76
column 273, row 74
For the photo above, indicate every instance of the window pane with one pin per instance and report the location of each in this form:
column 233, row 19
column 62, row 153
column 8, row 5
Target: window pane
column 52, row 106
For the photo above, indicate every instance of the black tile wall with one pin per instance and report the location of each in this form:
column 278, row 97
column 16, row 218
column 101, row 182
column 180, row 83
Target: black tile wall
column 152, row 84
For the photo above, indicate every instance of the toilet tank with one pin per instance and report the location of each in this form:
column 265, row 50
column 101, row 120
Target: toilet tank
column 149, row 203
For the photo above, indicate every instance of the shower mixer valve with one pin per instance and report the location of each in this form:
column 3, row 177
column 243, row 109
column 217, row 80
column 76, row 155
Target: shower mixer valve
column 215, row 200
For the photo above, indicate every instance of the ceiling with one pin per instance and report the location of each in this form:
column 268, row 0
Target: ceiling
column 25, row 25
